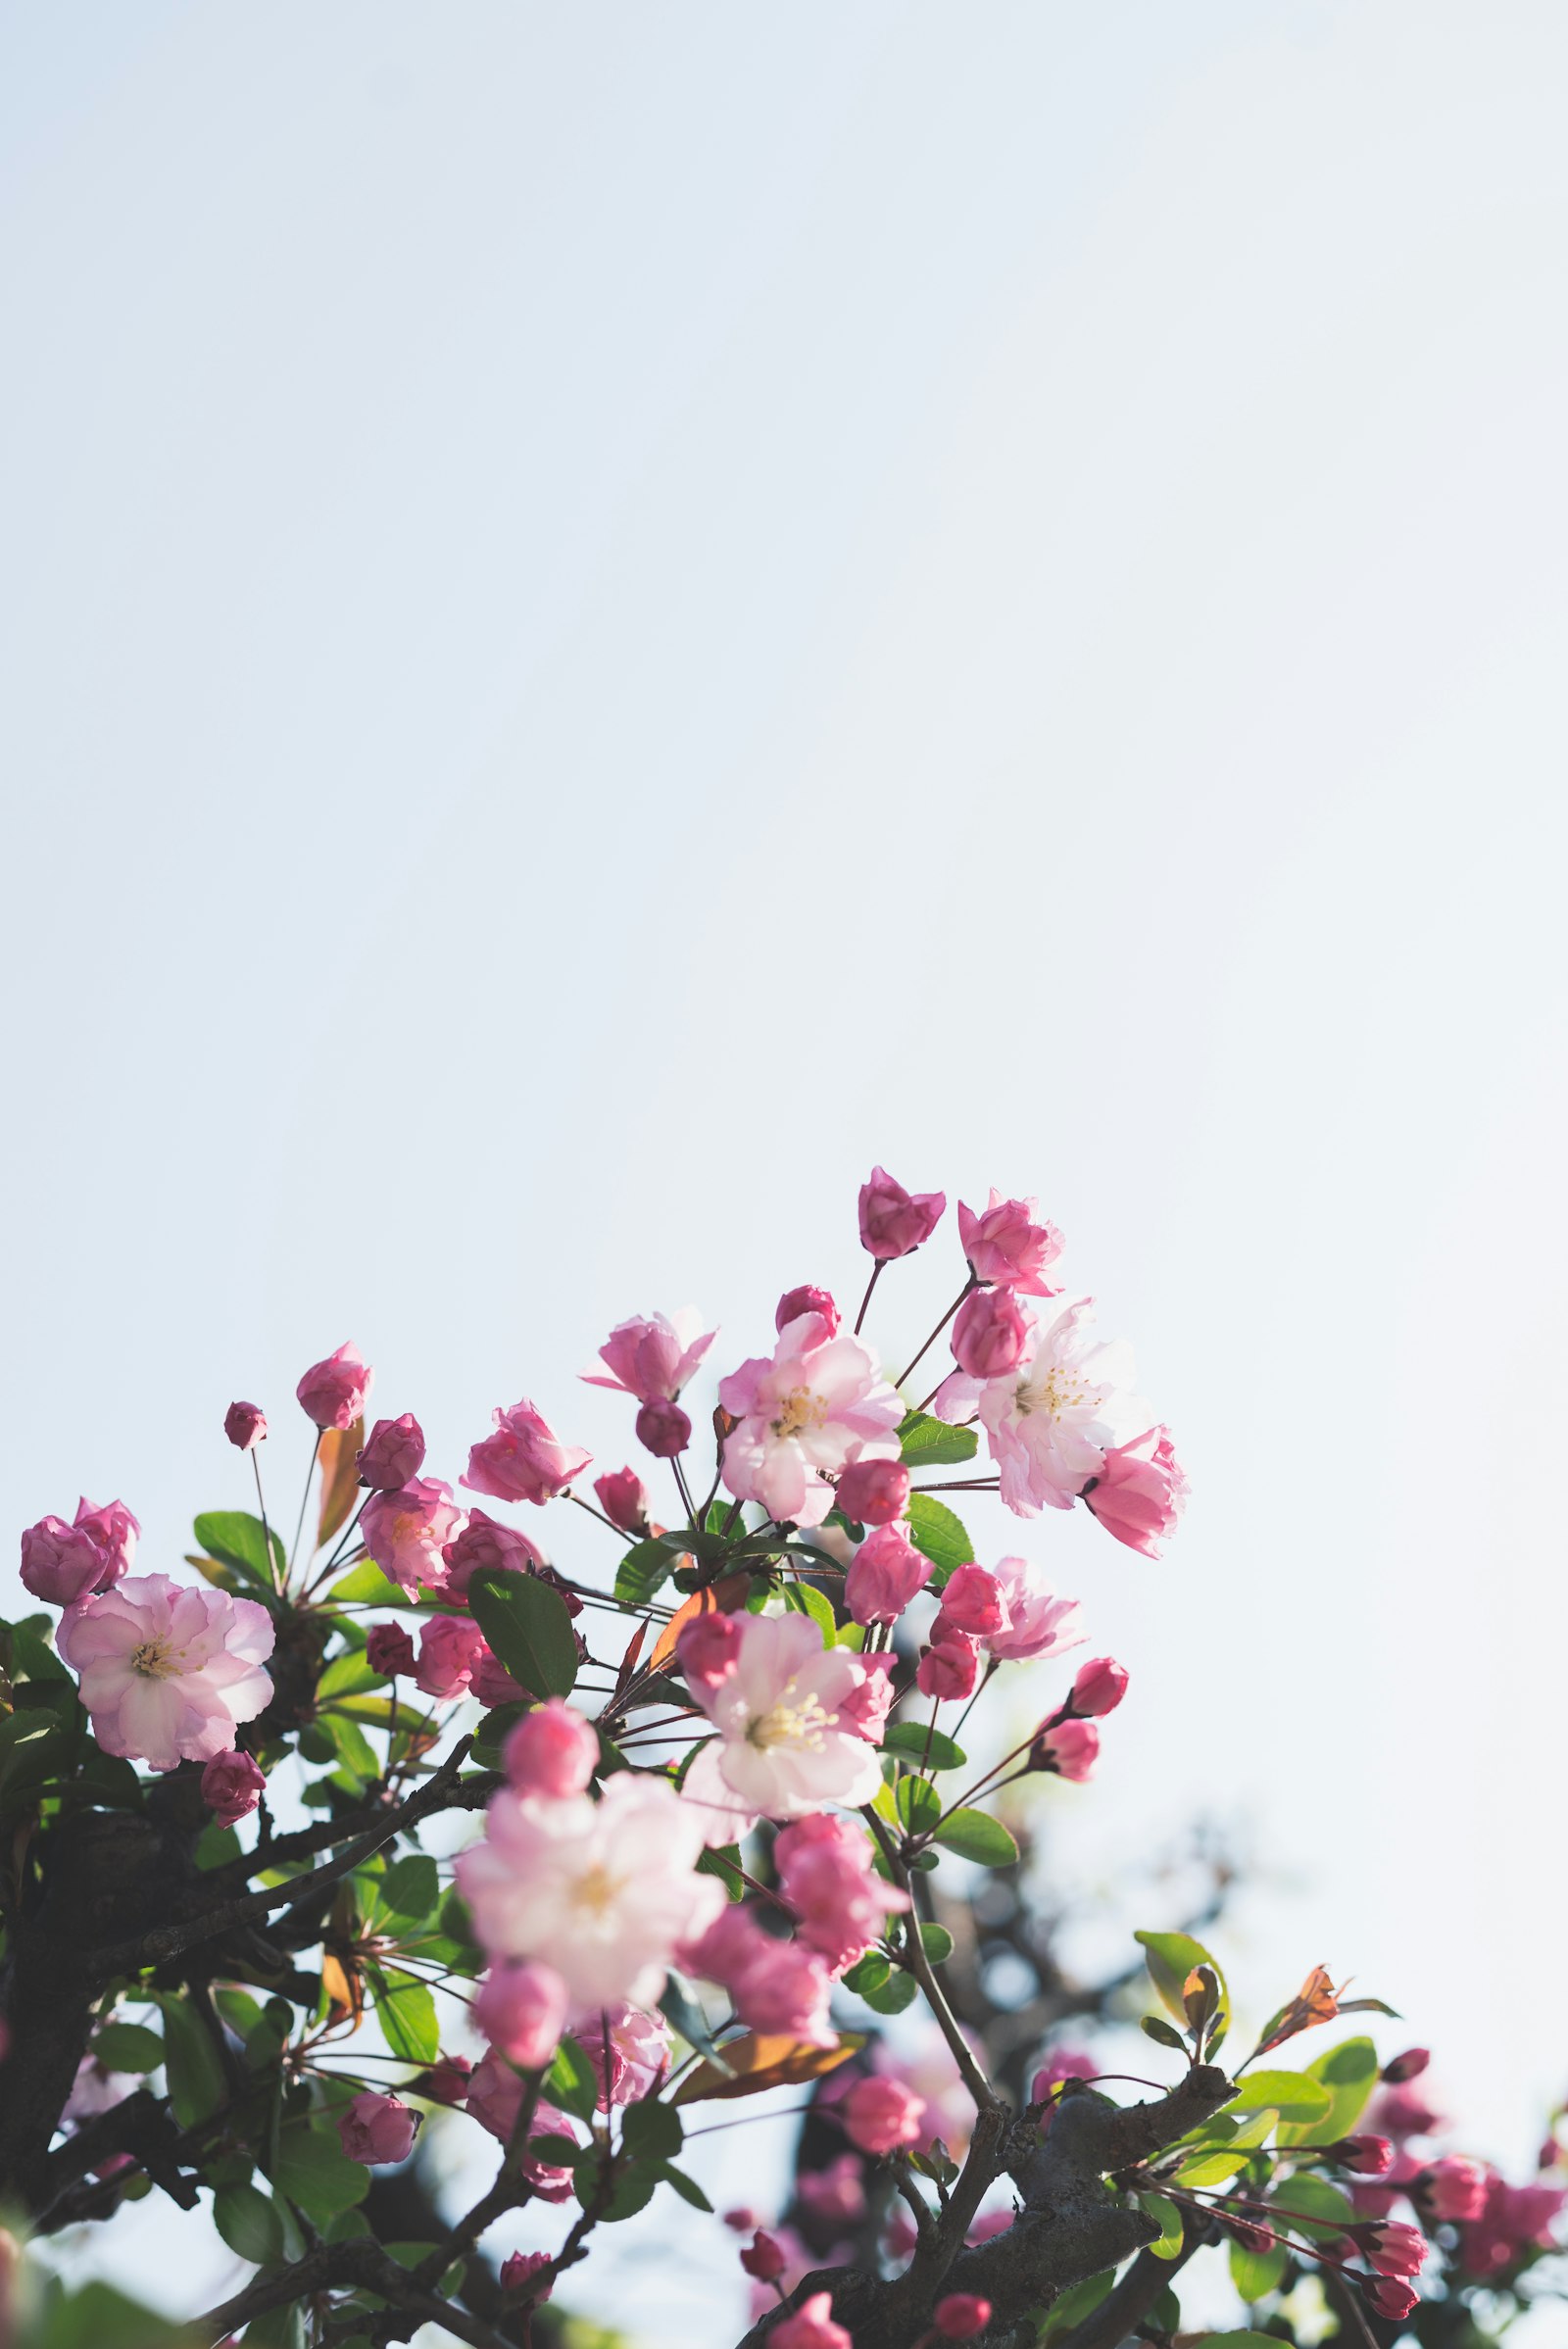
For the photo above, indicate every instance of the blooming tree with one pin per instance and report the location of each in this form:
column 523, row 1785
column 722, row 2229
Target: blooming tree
column 725, row 1832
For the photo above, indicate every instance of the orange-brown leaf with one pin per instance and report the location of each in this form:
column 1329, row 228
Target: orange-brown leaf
column 766, row 2060
column 725, row 1596
column 340, row 1478
column 345, row 1990
column 628, row 1662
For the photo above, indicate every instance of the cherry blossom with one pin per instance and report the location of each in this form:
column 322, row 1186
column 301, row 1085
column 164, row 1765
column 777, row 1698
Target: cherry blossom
column 653, row 1358
column 1052, row 1422
column 168, row 1671
column 781, row 1748
column 820, row 1401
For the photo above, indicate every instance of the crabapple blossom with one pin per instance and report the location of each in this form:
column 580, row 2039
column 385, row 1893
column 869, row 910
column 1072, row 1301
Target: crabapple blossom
column 972, row 1604
column 990, row 1333
column 245, row 1425
column 816, row 1403
column 874, row 1492
column 523, row 2011
column 1099, row 1688
column 812, row 2327
column 1393, row 2248
column 1384, row 2297
column 763, row 2258
column 446, row 2082
column 960, row 2316
column 663, row 1428
column 523, row 1461
column 333, row 1393
column 231, row 1787
column 407, row 1530
column 551, row 1751
column 378, row 2128
column 1139, row 1492
column 1408, row 2066
column 168, row 1671
column 894, row 1221
column 1037, row 1623
column 826, row 1875
column 653, row 1358
column 947, row 1670
column 600, row 1890
column 881, row 2115
column 639, row 2051
column 494, row 2099
column 1371, row 2157
column 1453, row 2187
column 867, row 1707
column 393, row 1454
column 389, row 1648
column 63, row 1563
column 1005, row 1245
column 807, row 1299
column 773, row 1985
column 1052, row 1421
column 519, row 2271
column 492, row 1684
column 833, row 2196
column 1064, row 2064
column 624, row 1497
column 449, row 1647
column 707, row 1649
column 781, row 1750
column 484, row 1544
column 886, row 1571
column 1512, row 2221
column 1067, row 1748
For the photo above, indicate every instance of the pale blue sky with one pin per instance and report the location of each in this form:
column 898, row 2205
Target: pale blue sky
column 611, row 611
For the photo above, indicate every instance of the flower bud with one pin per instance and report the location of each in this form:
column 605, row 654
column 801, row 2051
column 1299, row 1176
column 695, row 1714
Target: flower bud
column 446, row 2082
column 1068, row 1748
column 231, row 1787
column 245, row 1425
column 332, row 1393
column 880, row 2115
column 523, row 2011
column 960, row 2316
column 885, row 1574
column 1408, row 2066
column 1098, row 1689
column 553, row 1751
column 742, row 2219
column 624, row 1497
column 947, row 1670
column 393, row 1454
column 61, row 1563
column 663, row 1428
column 1391, row 2247
column 1005, row 1244
column 763, row 2258
column 971, row 1603
column 990, row 1333
column 807, row 1299
column 874, row 1492
column 390, row 1649
column 1386, row 2298
column 893, row 1220
column 1369, row 2156
column 377, row 2129
column 519, row 2271
column 485, row 1543
column 707, row 1649
column 1139, row 1492
column 1453, row 2187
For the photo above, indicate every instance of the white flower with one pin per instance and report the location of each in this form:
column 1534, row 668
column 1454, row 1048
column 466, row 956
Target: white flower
column 1052, row 1421
column 781, row 1750
column 819, row 1400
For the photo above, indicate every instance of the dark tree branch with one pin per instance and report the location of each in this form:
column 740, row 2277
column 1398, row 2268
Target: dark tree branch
column 1127, row 2303
column 356, row 2266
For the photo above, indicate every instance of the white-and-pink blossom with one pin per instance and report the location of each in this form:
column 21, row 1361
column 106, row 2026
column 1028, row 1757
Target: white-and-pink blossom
column 820, row 1401
column 653, row 1355
column 168, row 1670
column 1036, row 1621
column 783, row 1747
column 1052, row 1421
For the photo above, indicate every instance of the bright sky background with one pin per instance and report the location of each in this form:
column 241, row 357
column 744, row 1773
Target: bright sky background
column 611, row 611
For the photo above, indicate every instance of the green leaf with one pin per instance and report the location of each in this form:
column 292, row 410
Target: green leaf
column 652, row 2128
column 346, row 1675
column 1350, row 2074
column 1170, row 1958
column 1257, row 2272
column 239, row 1541
column 351, row 1746
column 1165, row 2034
column 644, row 1570
column 937, row 1942
column 571, row 2083
column 686, row 2188
column 1169, row 2219
column 313, row 2169
column 634, row 2191
column 939, row 1536
column 1294, row 2095
column 366, row 1585
column 528, row 1626
column 929, row 1442
column 1077, row 2302
column 97, row 2317
column 892, row 1996
column 723, row 1860
column 32, row 1658
column 411, row 1888
column 807, row 1599
column 926, row 1748
column 918, row 1803
column 976, row 1835
column 1211, row 2168
column 1311, row 2206
column 250, row 2223
column 129, row 2047
column 1236, row 2340
column 868, row 1973
column 194, row 2071
column 406, row 2011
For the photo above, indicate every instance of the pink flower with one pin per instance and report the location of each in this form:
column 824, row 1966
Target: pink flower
column 333, row 1393
column 774, row 1986
column 663, row 1428
column 389, row 1649
column 1453, row 2187
column 1064, row 2064
column 1068, row 1748
column 1402, row 2112
column 867, row 1707
column 115, row 1530
column 378, row 2128
column 1373, row 2157
column 990, row 1333
column 781, row 1750
column 657, row 1358
column 1051, row 1422
column 393, row 1454
column 826, row 1873
column 1038, row 1623
column 231, row 1787
column 1386, row 2298
column 520, row 2271
column 708, row 1649
column 523, row 2011
column 1005, row 1244
column 448, row 1647
column 947, row 1670
column 407, row 1530
column 807, row 1299
column 810, row 2327
column 523, row 1461
column 1513, row 2221
column 553, row 1751
column 1139, row 1492
column 880, row 2115
column 972, row 1604
column 494, row 2099
column 245, row 1425
column 600, row 1890
column 167, row 1673
column 818, row 1403
column 624, row 1497
column 901, row 2237
column 639, row 2053
column 960, row 2316
column 492, row 1684
column 446, row 2082
column 834, row 2197
column 893, row 1220
column 885, row 1574
column 1098, row 1689
column 64, row 1563
column 485, row 1545
column 874, row 1492
column 1408, row 2066
column 763, row 2258
column 1393, row 2248
column 742, row 2219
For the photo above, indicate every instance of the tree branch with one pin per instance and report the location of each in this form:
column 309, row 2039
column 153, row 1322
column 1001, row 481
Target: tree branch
column 1127, row 2303
column 358, row 2266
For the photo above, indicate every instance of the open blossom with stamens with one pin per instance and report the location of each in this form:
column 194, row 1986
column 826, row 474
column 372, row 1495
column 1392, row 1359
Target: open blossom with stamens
column 820, row 1401
column 1005, row 1245
column 523, row 1461
column 1037, row 1623
column 407, row 1530
column 168, row 1671
column 656, row 1356
column 782, row 1749
column 600, row 1890
column 1052, row 1421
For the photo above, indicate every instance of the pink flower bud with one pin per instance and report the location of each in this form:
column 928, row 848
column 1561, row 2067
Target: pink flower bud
column 446, row 2082
column 1139, row 1492
column 663, row 1428
column 1098, row 1689
column 333, row 1393
column 1250, row 2235
column 1453, row 2187
column 1386, row 2298
column 990, row 1333
column 231, row 1787
column 807, row 1299
column 901, row 2237
column 971, row 1603
column 523, row 1461
column 880, row 2115
column 407, row 1532
column 1069, row 1748
column 874, row 1492
column 553, row 1751
column 1067, row 2063
column 707, row 1649
column 1371, row 2157
column 245, row 1425
column 624, row 1497
column 864, row 1709
column 1393, row 2248
column 885, row 1574
column 377, row 2129
column 947, row 1670
column 763, row 2258
column 492, row 1684
column 61, row 1563
column 523, row 2011
column 519, row 2271
column 1408, row 2066
column 960, row 2316
column 485, row 1543
column 449, row 1645
column 810, row 2327
column 893, row 1220
column 390, row 1649
column 393, row 1454
column 1007, row 1246
column 834, row 2197
column 742, row 2219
